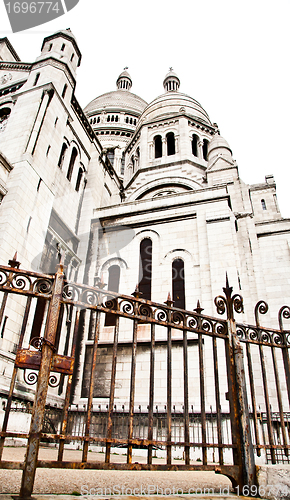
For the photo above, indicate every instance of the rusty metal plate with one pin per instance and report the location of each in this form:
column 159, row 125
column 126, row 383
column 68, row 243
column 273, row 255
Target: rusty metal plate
column 26, row 358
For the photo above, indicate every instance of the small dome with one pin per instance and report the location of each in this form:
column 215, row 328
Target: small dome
column 171, row 103
column 171, row 82
column 124, row 80
column 218, row 145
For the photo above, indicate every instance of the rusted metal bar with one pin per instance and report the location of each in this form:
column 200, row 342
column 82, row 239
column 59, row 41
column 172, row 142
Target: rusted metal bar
column 267, row 404
column 246, row 450
column 169, row 303
column 253, row 398
column 151, row 393
column 13, row 378
column 279, row 398
column 132, row 390
column 217, row 400
column 42, row 387
column 91, row 388
column 243, row 452
column 284, row 312
column 185, row 398
column 3, row 305
column 112, row 389
column 262, row 307
column 68, row 387
column 202, row 399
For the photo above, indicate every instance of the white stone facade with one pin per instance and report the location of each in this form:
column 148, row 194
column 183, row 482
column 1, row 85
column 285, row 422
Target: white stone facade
column 93, row 184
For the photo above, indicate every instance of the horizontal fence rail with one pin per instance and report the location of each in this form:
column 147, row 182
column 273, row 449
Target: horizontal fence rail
column 224, row 387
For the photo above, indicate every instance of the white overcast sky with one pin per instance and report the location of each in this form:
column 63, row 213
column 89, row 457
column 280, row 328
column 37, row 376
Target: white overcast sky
column 230, row 55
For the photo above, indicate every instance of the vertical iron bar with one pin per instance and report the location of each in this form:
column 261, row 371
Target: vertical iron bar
column 112, row 389
column 185, row 389
column 13, row 378
column 202, row 399
column 279, row 397
column 285, row 313
column 3, row 305
column 132, row 391
column 286, row 362
column 42, row 387
column 253, row 397
column 151, row 393
column 232, row 397
column 246, row 450
column 267, row 403
column 68, row 387
column 91, row 389
column 169, row 394
column 217, row 400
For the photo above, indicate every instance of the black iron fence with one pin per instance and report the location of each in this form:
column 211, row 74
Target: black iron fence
column 239, row 376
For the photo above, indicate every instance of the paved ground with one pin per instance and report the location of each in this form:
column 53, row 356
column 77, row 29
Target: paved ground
column 100, row 483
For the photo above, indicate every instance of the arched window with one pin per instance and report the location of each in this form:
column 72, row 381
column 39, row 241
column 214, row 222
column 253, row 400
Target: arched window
column 205, row 149
column 62, row 155
column 113, row 286
column 64, row 90
column 4, row 115
column 178, row 291
column 263, row 203
column 79, row 179
column 71, row 163
column 170, row 144
column 99, row 119
column 111, row 155
column 127, row 119
column 123, row 163
column 194, row 143
column 145, row 269
column 36, row 79
column 108, row 118
column 133, row 163
column 157, row 146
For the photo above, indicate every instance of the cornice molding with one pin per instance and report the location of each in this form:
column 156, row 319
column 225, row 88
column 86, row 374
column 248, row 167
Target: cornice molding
column 16, row 66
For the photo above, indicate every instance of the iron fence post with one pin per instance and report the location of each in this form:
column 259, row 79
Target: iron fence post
column 240, row 421
column 37, row 417
column 246, row 444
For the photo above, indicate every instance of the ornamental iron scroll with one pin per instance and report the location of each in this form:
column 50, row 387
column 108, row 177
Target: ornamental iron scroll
column 229, row 303
column 31, row 378
column 284, row 312
column 262, row 308
column 16, row 280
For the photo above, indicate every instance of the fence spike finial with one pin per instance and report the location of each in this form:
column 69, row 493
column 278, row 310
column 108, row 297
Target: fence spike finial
column 137, row 292
column 14, row 262
column 198, row 309
column 169, row 302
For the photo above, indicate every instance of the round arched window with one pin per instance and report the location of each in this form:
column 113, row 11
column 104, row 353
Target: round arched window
column 4, row 115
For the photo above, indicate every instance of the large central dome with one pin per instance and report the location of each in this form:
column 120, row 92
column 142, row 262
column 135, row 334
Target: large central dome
column 118, row 100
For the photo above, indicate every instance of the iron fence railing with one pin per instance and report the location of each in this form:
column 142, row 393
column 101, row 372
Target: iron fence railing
column 56, row 320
